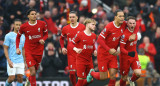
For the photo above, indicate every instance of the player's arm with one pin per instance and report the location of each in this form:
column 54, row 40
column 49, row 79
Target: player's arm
column 6, row 46
column 61, row 41
column 122, row 47
column 101, row 41
column 75, row 41
column 20, row 32
column 94, row 51
column 23, row 53
column 45, row 34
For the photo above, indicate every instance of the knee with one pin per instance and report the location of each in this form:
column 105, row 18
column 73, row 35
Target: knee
column 138, row 74
column 11, row 78
column 112, row 75
column 124, row 78
column 20, row 78
column 33, row 72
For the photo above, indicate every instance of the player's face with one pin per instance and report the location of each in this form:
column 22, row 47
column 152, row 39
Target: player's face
column 73, row 18
column 120, row 17
column 131, row 24
column 32, row 16
column 92, row 26
column 17, row 25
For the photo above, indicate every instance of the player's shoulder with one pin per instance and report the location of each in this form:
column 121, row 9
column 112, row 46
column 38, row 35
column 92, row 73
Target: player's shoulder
column 109, row 25
column 40, row 21
column 81, row 25
column 10, row 34
column 94, row 34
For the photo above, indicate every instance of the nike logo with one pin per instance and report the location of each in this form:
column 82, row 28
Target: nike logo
column 84, row 40
column 28, row 31
column 113, row 33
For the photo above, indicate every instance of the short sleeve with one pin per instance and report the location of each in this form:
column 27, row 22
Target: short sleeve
column 104, row 33
column 20, row 32
column 63, row 32
column 6, row 40
column 45, row 27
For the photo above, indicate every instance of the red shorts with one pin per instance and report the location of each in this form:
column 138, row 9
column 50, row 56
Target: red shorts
column 83, row 69
column 71, row 62
column 106, row 61
column 125, row 65
column 33, row 60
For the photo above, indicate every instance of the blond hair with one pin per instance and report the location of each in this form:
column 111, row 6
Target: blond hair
column 89, row 20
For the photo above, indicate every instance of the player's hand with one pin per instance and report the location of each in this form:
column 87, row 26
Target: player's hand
column 41, row 41
column 10, row 63
column 78, row 50
column 112, row 51
column 132, row 37
column 64, row 51
column 95, row 53
column 116, row 53
column 18, row 51
column 131, row 54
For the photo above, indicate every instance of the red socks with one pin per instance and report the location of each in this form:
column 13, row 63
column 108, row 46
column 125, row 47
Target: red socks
column 122, row 83
column 134, row 77
column 85, row 83
column 72, row 77
column 112, row 82
column 96, row 75
column 32, row 80
column 80, row 82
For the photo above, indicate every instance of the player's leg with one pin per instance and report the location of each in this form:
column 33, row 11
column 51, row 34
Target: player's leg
column 102, row 66
column 20, row 73
column 123, row 80
column 31, row 62
column 11, row 74
column 72, row 69
column 80, row 81
column 113, row 67
column 136, row 67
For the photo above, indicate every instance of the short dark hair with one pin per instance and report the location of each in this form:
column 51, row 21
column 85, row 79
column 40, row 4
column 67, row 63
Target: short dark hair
column 28, row 12
column 131, row 17
column 73, row 12
column 17, row 20
column 119, row 10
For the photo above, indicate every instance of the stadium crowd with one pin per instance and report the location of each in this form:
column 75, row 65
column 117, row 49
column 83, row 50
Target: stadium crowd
column 55, row 14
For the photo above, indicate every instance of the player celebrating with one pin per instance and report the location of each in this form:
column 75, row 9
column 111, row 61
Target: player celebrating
column 85, row 47
column 129, row 56
column 15, row 63
column 70, row 31
column 35, row 33
column 108, row 41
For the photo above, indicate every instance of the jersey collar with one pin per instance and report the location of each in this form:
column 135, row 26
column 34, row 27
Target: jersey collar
column 32, row 24
column 115, row 25
column 75, row 26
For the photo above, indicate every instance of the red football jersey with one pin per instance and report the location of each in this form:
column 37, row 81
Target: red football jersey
column 126, row 45
column 70, row 32
column 85, row 42
column 33, row 33
column 111, row 34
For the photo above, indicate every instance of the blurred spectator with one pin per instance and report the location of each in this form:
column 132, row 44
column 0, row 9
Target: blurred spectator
column 62, row 24
column 4, row 26
column 81, row 19
column 14, row 11
column 149, row 48
column 110, row 15
column 50, row 63
column 50, row 23
column 130, row 9
column 85, row 8
column 156, row 12
column 51, row 4
column 100, row 28
column 157, row 45
column 144, row 11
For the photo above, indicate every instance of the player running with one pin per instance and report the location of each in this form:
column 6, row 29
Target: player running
column 15, row 62
column 107, row 53
column 85, row 41
column 36, row 33
column 70, row 31
column 129, row 56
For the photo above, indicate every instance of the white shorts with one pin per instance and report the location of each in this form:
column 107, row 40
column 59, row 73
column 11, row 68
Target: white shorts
column 18, row 68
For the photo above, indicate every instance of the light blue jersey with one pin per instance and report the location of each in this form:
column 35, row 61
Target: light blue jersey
column 10, row 41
